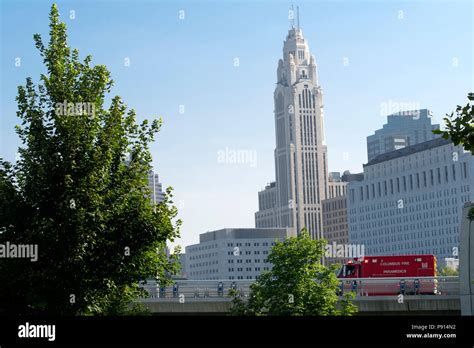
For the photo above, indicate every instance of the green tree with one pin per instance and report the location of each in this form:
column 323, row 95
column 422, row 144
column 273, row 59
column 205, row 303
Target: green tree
column 79, row 192
column 448, row 271
column 460, row 129
column 298, row 283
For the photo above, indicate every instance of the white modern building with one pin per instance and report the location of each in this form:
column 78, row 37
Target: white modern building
column 411, row 199
column 300, row 155
column 232, row 253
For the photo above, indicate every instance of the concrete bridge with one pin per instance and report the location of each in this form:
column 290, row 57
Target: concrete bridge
column 189, row 297
column 380, row 305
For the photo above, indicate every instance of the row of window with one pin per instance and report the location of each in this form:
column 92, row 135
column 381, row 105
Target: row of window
column 247, row 261
column 446, row 251
column 256, row 244
column 397, row 222
column 202, row 256
column 433, row 177
column 202, row 247
column 248, row 269
column 247, row 252
column 206, row 271
column 242, row 277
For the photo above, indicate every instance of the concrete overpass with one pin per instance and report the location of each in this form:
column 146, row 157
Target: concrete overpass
column 211, row 297
column 380, row 305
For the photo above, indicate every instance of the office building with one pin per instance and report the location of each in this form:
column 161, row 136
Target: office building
column 411, row 199
column 266, row 216
column 402, row 129
column 232, row 253
column 335, row 226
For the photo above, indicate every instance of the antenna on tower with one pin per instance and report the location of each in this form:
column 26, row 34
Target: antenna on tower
column 292, row 17
column 298, row 17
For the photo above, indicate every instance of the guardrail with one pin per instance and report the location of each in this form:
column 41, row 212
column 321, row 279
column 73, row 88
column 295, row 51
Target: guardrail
column 202, row 289
column 444, row 286
column 198, row 289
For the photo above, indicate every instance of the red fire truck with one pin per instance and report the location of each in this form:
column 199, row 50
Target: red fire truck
column 371, row 275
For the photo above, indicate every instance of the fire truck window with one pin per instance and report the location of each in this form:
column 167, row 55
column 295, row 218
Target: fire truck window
column 341, row 272
column 349, row 270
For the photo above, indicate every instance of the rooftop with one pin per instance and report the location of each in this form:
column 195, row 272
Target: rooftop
column 244, row 233
column 430, row 144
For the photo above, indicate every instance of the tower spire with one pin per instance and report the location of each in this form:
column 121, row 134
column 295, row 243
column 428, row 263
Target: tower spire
column 298, row 17
column 292, row 16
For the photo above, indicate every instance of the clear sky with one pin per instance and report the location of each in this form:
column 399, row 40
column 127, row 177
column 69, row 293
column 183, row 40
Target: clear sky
column 184, row 69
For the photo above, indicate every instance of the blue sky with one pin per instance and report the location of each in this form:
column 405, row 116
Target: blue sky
column 418, row 52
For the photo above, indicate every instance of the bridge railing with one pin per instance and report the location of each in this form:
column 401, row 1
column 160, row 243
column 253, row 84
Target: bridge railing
column 408, row 286
column 442, row 286
column 198, row 289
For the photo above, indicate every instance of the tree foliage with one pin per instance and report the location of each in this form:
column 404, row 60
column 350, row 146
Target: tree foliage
column 80, row 192
column 448, row 271
column 460, row 129
column 298, row 283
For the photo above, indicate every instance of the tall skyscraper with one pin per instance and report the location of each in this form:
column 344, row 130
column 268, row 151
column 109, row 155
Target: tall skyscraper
column 300, row 154
column 402, row 129
column 157, row 194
